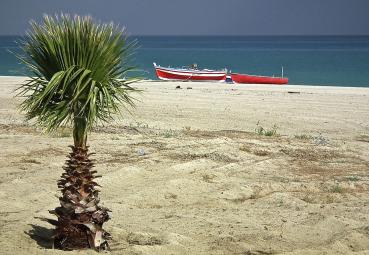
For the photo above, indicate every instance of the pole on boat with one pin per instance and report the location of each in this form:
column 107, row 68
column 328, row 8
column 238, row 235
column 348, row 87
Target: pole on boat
column 282, row 71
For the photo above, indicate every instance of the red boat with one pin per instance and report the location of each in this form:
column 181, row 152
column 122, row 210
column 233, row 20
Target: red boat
column 255, row 79
column 189, row 74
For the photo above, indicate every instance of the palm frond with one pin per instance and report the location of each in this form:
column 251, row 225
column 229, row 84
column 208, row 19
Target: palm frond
column 77, row 68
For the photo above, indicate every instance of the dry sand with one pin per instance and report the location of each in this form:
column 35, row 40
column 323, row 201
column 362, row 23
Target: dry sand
column 187, row 174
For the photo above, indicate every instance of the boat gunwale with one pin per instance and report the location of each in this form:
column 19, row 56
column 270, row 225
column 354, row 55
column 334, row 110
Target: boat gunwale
column 203, row 71
column 261, row 76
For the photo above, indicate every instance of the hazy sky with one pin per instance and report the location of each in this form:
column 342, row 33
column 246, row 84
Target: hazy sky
column 202, row 17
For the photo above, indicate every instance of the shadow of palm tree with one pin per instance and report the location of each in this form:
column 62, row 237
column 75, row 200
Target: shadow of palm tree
column 42, row 235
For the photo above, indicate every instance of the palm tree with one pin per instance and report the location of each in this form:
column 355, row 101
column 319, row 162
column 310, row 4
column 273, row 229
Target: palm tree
column 75, row 67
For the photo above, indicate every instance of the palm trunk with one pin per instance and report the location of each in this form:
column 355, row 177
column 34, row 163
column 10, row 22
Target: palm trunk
column 80, row 218
column 80, row 132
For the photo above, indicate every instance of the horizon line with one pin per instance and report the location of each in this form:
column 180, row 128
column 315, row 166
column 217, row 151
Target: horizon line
column 225, row 35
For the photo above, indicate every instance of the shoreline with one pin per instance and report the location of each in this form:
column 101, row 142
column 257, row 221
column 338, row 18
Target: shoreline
column 199, row 82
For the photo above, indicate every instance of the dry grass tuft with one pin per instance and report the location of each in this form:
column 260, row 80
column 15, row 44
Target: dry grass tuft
column 170, row 196
column 208, row 178
column 238, row 200
column 311, row 154
column 257, row 152
column 30, row 161
column 245, row 148
column 362, row 138
column 304, row 137
column 261, row 153
column 18, row 128
column 144, row 239
column 194, row 156
column 232, row 134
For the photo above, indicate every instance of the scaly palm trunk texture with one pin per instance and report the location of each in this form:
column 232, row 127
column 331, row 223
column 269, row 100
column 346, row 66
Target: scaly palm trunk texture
column 80, row 218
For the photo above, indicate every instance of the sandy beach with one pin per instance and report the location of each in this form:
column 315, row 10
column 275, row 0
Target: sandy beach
column 188, row 172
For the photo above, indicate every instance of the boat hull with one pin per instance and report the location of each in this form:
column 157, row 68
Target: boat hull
column 254, row 79
column 189, row 75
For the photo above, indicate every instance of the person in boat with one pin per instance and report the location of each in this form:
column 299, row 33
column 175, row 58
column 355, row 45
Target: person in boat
column 193, row 66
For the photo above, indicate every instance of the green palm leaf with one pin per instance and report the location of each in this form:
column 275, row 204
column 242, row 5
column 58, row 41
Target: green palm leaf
column 77, row 70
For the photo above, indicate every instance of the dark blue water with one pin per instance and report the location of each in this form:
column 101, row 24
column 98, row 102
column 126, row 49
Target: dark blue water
column 316, row 60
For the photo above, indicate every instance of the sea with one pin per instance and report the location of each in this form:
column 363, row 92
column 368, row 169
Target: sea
column 306, row 60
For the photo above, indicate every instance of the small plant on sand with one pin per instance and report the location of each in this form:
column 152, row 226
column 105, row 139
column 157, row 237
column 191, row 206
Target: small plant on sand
column 353, row 178
column 261, row 153
column 30, row 161
column 245, row 148
column 337, row 189
column 208, row 178
column 168, row 133
column 76, row 70
column 320, row 140
column 303, row 137
column 262, row 131
column 308, row 198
